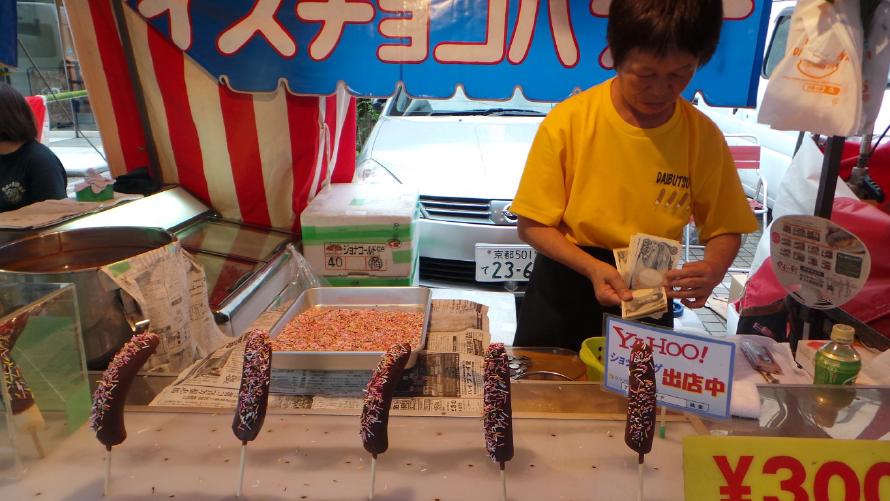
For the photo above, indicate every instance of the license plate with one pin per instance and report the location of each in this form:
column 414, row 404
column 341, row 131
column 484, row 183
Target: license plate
column 504, row 263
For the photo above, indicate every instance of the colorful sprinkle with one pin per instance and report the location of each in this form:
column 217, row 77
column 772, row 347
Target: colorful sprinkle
column 377, row 399
column 349, row 329
column 253, row 394
column 103, row 396
column 20, row 395
column 497, row 412
column 642, row 399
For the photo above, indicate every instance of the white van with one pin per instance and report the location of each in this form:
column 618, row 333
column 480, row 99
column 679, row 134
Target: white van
column 777, row 146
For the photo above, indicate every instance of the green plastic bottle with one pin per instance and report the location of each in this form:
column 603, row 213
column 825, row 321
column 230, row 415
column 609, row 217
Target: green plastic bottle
column 837, row 362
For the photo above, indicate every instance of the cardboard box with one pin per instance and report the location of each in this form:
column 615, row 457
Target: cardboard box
column 737, row 286
column 363, row 233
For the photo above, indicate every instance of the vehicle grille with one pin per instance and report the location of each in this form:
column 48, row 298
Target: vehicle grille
column 461, row 210
column 447, row 269
column 456, row 272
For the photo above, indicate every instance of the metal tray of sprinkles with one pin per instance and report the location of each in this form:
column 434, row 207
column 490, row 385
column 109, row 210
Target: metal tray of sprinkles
column 378, row 298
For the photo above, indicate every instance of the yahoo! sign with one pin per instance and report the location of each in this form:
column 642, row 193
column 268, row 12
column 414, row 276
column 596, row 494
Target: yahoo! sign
column 547, row 47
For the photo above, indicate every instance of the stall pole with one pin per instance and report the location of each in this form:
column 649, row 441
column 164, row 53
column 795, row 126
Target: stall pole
column 124, row 33
column 831, row 167
column 831, row 164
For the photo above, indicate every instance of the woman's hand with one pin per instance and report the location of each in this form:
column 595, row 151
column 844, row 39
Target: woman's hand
column 693, row 283
column 608, row 285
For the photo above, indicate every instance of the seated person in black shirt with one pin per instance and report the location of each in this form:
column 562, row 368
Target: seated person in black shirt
column 29, row 171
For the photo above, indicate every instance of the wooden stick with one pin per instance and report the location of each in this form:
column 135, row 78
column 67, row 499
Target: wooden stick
column 107, row 470
column 373, row 475
column 40, row 452
column 241, row 473
column 503, row 483
column 640, row 471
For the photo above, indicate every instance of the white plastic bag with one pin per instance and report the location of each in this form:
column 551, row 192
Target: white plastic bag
column 817, row 86
column 797, row 192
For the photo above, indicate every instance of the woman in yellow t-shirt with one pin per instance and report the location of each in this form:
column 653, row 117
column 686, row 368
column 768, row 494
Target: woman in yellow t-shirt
column 624, row 157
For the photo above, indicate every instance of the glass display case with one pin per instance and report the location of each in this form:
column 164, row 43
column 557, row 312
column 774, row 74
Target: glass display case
column 44, row 391
column 231, row 254
column 246, row 266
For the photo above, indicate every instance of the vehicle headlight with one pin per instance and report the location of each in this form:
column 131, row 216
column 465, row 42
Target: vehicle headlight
column 371, row 172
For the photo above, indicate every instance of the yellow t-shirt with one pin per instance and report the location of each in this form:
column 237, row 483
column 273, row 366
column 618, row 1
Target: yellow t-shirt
column 600, row 180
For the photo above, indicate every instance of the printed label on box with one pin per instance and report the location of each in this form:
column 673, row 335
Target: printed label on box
column 355, row 257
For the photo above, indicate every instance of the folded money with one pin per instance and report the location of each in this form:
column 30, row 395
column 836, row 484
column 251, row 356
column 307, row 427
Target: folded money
column 646, row 303
column 621, row 262
column 648, row 259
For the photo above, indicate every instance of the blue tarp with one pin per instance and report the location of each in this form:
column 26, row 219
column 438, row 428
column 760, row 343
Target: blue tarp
column 548, row 48
column 8, row 52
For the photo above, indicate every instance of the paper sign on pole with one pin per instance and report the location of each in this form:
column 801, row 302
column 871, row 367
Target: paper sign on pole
column 819, row 263
column 749, row 468
column 692, row 373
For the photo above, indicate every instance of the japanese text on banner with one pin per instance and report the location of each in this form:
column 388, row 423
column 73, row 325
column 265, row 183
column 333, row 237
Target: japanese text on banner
column 547, row 48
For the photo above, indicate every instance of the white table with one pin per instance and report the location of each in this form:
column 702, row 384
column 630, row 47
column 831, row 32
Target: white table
column 195, row 457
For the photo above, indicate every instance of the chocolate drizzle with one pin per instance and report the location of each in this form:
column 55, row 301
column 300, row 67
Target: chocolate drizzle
column 378, row 398
column 253, row 395
column 641, row 400
column 107, row 418
column 497, row 412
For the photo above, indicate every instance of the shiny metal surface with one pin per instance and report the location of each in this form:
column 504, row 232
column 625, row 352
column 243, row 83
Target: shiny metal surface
column 170, row 209
column 74, row 257
column 255, row 293
column 386, row 298
column 228, row 238
column 825, row 411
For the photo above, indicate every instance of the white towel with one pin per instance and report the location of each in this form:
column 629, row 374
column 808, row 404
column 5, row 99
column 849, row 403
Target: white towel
column 745, row 398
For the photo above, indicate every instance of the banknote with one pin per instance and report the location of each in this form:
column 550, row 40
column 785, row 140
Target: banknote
column 646, row 303
column 621, row 262
column 648, row 258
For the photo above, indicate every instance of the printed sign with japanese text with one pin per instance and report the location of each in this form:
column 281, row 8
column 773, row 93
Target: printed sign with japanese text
column 692, row 373
column 819, row 263
column 772, row 468
column 549, row 49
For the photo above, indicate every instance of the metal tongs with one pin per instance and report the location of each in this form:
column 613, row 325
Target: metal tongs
column 762, row 361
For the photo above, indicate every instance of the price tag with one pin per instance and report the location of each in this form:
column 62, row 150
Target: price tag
column 692, row 373
column 773, row 469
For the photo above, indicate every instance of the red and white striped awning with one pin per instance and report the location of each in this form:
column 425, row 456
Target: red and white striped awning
column 257, row 158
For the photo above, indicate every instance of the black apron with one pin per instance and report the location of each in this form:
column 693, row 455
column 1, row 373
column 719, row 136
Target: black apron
column 560, row 307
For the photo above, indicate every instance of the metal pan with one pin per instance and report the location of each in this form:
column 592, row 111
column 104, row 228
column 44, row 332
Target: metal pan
column 385, row 298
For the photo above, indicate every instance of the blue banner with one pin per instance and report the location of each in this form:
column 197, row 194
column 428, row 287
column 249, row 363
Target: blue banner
column 490, row 47
column 8, row 52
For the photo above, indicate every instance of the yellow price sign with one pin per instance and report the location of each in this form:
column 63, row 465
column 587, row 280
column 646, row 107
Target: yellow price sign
column 785, row 469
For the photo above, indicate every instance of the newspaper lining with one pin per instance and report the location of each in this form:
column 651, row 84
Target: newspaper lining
column 49, row 212
column 446, row 380
column 171, row 289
